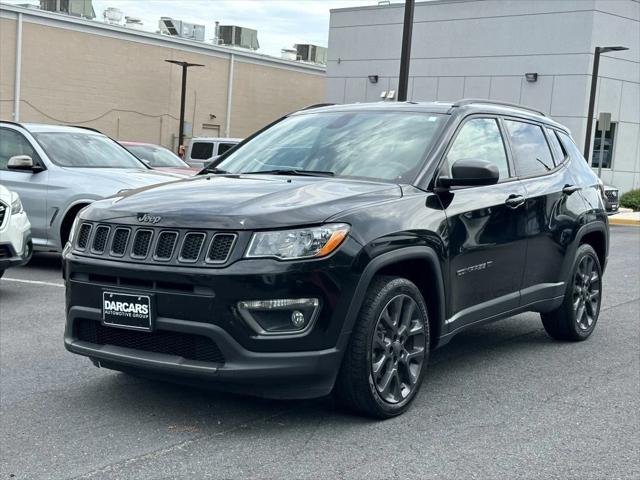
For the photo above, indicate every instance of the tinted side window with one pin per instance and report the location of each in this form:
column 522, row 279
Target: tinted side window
column 225, row 147
column 570, row 147
column 530, row 149
column 480, row 139
column 13, row 143
column 558, row 153
column 202, row 151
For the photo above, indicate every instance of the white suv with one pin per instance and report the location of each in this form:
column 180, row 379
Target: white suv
column 15, row 231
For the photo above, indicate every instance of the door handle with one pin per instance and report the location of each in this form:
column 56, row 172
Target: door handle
column 569, row 189
column 514, row 201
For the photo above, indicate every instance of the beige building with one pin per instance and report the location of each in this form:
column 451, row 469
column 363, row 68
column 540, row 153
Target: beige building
column 60, row 69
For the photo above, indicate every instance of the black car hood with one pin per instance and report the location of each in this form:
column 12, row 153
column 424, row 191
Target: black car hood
column 242, row 202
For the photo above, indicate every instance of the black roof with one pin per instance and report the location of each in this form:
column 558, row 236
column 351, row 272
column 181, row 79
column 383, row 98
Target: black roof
column 465, row 106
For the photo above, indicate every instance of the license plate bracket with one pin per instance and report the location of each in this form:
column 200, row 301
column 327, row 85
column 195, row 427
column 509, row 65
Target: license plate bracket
column 128, row 310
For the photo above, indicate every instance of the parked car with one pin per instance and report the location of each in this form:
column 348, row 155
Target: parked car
column 59, row 170
column 335, row 249
column 201, row 150
column 610, row 197
column 159, row 158
column 15, row 231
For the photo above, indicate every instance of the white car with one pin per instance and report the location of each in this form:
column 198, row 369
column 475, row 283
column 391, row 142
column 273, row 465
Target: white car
column 15, row 231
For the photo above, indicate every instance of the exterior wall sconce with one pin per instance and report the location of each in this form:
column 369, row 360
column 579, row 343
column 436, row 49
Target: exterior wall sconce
column 531, row 77
column 373, row 78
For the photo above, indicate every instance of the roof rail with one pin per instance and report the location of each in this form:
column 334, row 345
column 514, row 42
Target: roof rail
column 85, row 128
column 317, row 105
column 13, row 123
column 471, row 101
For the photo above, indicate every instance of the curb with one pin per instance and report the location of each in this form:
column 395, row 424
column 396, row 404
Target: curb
column 624, row 221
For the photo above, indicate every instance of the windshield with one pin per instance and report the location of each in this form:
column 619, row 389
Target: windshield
column 374, row 144
column 156, row 156
column 77, row 149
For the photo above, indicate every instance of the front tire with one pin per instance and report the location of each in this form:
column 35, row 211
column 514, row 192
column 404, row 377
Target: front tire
column 387, row 355
column 576, row 318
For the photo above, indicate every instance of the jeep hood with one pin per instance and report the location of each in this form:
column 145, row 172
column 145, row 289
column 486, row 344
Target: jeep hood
column 242, row 202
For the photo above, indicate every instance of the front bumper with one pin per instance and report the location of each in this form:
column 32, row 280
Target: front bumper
column 201, row 302
column 10, row 256
column 272, row 375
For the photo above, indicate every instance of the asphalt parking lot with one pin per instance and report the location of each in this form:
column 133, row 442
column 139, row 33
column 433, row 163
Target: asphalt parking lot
column 501, row 401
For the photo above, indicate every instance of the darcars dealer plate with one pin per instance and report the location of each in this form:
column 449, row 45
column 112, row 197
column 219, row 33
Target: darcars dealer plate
column 127, row 311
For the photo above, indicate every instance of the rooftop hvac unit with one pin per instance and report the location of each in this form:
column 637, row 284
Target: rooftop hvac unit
column 234, row 36
column 312, row 53
column 78, row 8
column 112, row 15
column 178, row 28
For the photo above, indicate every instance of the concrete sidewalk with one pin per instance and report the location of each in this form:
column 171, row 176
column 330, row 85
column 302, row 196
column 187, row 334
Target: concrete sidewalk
column 625, row 216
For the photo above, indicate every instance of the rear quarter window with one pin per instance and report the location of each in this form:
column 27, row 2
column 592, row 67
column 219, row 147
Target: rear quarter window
column 202, row 150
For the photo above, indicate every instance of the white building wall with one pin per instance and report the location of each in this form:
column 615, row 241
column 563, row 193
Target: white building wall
column 483, row 48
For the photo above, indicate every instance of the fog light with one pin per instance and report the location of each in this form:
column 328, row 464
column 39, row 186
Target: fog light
column 297, row 319
column 280, row 316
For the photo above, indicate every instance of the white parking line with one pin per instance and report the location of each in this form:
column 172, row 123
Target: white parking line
column 35, row 282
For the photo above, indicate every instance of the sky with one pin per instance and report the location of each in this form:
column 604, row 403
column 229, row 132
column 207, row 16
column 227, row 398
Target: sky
column 280, row 23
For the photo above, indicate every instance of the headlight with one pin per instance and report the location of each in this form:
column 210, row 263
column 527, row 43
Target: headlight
column 314, row 242
column 16, row 205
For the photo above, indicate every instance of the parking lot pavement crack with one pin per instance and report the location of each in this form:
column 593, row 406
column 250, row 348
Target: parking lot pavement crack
column 155, row 454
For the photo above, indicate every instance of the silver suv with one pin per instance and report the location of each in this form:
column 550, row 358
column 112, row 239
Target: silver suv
column 58, row 170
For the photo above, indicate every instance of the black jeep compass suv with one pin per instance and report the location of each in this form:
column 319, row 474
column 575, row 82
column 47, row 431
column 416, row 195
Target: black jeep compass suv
column 331, row 251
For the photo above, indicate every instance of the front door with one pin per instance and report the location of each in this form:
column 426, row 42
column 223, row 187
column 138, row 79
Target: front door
column 486, row 230
column 32, row 187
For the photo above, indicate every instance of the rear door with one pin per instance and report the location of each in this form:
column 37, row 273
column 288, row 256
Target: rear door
column 553, row 206
column 486, row 229
column 32, row 187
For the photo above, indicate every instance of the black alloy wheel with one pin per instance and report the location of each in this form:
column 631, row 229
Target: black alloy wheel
column 397, row 351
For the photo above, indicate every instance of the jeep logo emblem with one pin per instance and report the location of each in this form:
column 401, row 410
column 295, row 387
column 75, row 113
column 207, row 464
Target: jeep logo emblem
column 146, row 218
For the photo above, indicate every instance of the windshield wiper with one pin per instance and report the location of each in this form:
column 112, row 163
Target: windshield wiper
column 214, row 170
column 293, row 171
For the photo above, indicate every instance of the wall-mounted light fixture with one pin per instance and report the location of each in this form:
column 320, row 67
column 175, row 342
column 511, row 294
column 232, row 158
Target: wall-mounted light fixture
column 373, row 78
column 531, row 77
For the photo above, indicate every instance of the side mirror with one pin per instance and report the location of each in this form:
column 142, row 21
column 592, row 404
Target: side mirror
column 471, row 173
column 24, row 163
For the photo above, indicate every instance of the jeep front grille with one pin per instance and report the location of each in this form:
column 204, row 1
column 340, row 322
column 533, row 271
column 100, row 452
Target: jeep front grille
column 100, row 239
column 120, row 241
column 191, row 246
column 83, row 236
column 141, row 243
column 165, row 246
column 148, row 244
column 220, row 248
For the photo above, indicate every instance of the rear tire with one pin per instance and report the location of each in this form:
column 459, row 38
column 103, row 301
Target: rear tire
column 387, row 355
column 576, row 318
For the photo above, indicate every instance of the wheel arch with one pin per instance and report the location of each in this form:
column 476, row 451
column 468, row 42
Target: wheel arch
column 406, row 262
column 596, row 235
column 68, row 217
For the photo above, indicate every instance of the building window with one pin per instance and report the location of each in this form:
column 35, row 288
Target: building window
column 609, row 137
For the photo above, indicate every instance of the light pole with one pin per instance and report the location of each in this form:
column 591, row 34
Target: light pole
column 592, row 95
column 405, row 55
column 184, row 66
